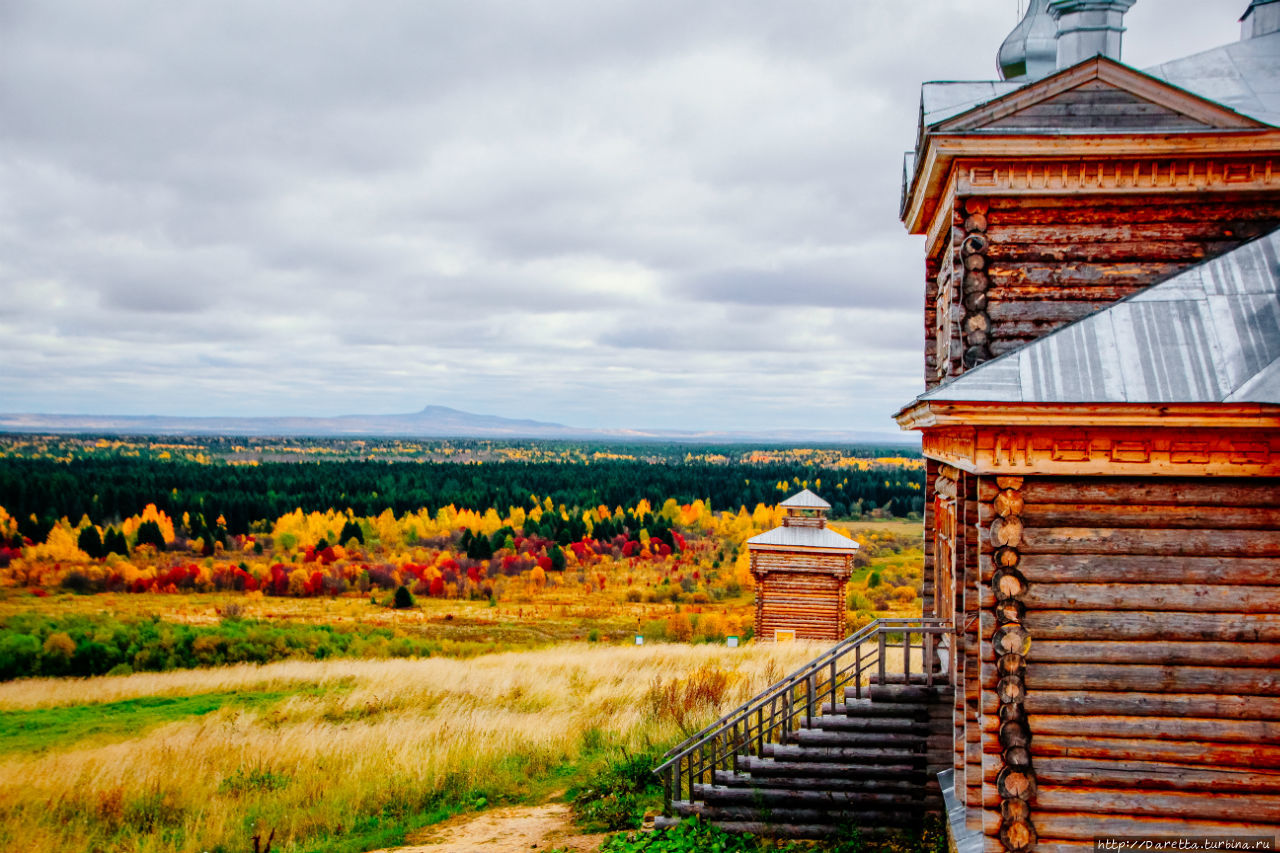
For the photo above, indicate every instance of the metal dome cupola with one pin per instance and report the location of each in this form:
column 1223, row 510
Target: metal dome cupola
column 1031, row 50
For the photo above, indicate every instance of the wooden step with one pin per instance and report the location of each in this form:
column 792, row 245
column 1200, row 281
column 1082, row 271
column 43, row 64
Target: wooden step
column 887, row 800
column 767, row 768
column 859, row 740
column 835, row 782
column 847, row 817
column 867, row 708
column 802, row 831
column 843, row 755
column 909, row 693
column 847, row 723
column 899, row 678
column 776, row 830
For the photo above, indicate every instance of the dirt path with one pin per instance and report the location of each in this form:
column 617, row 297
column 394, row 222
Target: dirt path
column 525, row 828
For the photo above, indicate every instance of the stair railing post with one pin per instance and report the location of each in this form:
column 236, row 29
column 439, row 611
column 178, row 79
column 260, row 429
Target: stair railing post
column 906, row 655
column 811, row 688
column 857, row 674
column 833, row 685
column 666, row 789
column 785, row 734
column 715, row 742
column 928, row 656
column 884, row 638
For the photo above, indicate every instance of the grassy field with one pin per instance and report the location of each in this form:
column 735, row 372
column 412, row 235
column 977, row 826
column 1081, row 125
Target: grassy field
column 340, row 755
column 523, row 696
column 905, row 528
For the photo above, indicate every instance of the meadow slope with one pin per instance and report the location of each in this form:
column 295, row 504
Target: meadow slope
column 342, row 755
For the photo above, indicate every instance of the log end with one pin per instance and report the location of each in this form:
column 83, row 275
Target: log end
column 1017, row 836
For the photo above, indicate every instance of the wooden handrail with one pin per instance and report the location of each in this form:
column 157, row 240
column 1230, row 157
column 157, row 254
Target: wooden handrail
column 779, row 709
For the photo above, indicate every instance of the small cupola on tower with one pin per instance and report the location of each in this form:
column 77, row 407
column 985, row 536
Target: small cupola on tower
column 1262, row 18
column 805, row 509
column 1031, row 50
column 1089, row 28
column 801, row 569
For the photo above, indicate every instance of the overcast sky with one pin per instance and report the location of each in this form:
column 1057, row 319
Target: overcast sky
column 606, row 213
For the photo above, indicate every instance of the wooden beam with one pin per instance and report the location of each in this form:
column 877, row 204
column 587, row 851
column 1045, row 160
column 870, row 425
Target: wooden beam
column 1152, row 625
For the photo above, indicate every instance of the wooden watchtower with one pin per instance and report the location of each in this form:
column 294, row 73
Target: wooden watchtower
column 801, row 569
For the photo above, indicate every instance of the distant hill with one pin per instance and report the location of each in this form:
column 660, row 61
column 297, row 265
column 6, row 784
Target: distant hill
column 431, row 422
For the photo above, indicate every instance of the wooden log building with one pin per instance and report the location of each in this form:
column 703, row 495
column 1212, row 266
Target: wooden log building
column 1101, row 422
column 801, row 570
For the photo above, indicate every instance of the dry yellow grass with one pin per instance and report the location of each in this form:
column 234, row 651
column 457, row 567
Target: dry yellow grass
column 355, row 738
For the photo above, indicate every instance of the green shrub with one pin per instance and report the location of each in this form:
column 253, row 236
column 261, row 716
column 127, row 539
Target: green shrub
column 617, row 796
column 693, row 836
column 404, row 598
column 34, row 645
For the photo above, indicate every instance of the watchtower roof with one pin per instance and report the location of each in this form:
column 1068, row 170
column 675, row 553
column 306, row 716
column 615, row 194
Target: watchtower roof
column 821, row 538
column 804, row 500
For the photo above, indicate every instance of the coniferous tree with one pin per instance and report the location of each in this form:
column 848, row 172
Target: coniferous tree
column 557, row 558
column 91, row 542
column 149, row 534
column 350, row 531
column 115, row 543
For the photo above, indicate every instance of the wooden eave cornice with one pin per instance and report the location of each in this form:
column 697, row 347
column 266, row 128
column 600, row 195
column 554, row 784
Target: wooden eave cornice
column 809, row 549
column 1106, row 440
column 933, row 178
column 931, row 414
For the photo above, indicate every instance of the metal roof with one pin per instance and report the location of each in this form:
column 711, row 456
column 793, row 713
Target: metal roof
column 1208, row 334
column 805, row 500
column 941, row 100
column 1243, row 75
column 1031, row 50
column 805, row 537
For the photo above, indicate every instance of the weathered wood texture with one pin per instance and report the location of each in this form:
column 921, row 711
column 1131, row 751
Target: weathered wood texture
column 1043, row 262
column 1152, row 677
column 802, row 592
column 1096, row 107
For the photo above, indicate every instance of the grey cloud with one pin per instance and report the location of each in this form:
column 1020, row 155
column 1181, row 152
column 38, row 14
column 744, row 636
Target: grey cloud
column 612, row 214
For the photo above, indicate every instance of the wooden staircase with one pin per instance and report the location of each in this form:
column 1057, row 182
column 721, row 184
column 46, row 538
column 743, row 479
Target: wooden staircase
column 842, row 743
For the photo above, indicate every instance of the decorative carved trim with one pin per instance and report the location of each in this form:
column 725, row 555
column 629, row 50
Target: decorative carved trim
column 939, row 169
column 926, row 414
column 1107, row 452
column 1186, row 174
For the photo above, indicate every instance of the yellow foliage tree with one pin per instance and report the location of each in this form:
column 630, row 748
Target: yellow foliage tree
column 150, row 513
column 298, row 582
column 8, row 524
column 60, row 546
column 387, row 529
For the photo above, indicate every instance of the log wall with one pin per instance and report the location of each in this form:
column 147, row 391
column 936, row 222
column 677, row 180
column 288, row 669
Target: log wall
column 1015, row 268
column 802, row 592
column 1152, row 680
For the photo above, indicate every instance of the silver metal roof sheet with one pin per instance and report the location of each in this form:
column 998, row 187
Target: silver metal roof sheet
column 805, row 499
column 1208, row 334
column 1243, row 75
column 805, row 537
column 942, row 100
